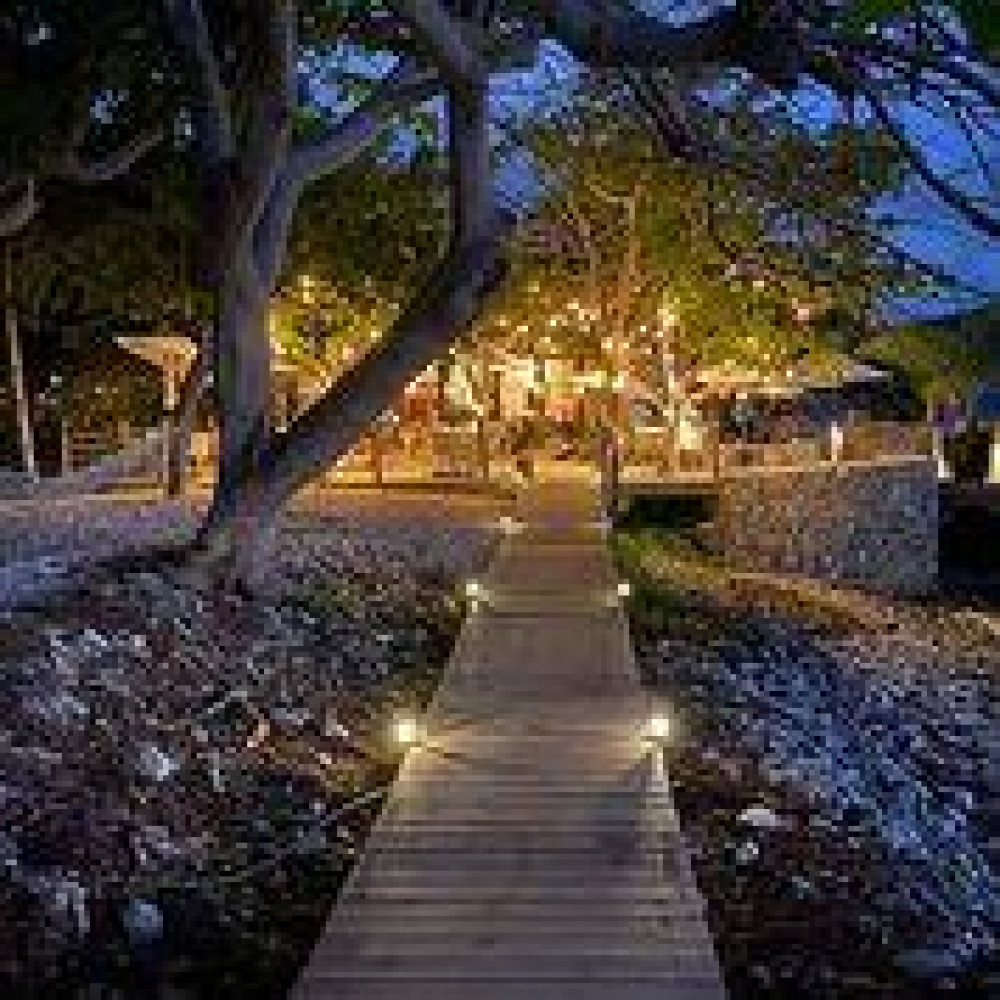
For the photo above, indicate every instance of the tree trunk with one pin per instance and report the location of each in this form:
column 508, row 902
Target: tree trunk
column 234, row 541
column 21, row 402
column 260, row 471
column 182, row 420
column 243, row 379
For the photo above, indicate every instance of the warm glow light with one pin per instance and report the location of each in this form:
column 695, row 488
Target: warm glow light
column 659, row 728
column 624, row 589
column 474, row 590
column 668, row 318
column 407, row 732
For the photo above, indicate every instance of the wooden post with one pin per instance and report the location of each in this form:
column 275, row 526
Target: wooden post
column 376, row 446
column 836, row 442
column 21, row 402
column 716, row 433
column 65, row 446
column 483, row 449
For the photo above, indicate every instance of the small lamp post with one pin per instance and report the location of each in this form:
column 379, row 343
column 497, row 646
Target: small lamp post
column 407, row 732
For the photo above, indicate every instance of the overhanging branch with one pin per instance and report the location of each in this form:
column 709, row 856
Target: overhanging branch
column 18, row 211
column 113, row 165
column 454, row 50
column 187, row 20
column 447, row 306
column 761, row 37
column 405, row 88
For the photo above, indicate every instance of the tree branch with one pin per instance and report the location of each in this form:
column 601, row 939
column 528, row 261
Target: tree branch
column 459, row 57
column 763, row 38
column 111, row 166
column 956, row 199
column 447, row 306
column 404, row 88
column 191, row 31
column 272, row 107
column 21, row 210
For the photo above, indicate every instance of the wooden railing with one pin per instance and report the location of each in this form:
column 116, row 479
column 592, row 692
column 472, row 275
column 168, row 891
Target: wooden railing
column 653, row 453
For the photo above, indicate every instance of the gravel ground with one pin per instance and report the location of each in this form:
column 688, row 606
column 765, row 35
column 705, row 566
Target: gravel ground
column 837, row 771
column 184, row 778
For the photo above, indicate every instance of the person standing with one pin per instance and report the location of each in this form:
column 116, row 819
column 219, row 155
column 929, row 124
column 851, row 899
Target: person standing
column 609, row 462
column 522, row 452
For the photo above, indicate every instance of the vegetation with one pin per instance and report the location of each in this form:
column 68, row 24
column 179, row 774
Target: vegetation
column 944, row 358
column 262, row 100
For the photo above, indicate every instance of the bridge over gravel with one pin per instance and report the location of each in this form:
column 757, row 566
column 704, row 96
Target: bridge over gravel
column 530, row 848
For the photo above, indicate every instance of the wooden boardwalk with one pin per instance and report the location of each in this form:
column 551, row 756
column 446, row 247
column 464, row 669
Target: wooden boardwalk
column 530, row 850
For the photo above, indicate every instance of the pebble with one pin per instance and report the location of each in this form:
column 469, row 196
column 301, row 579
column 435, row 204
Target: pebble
column 873, row 747
column 128, row 717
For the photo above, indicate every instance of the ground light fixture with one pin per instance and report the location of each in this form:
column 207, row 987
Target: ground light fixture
column 658, row 729
column 475, row 594
column 407, row 732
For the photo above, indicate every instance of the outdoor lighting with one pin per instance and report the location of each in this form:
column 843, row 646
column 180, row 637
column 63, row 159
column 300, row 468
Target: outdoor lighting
column 624, row 589
column 658, row 729
column 668, row 318
column 407, row 732
column 474, row 590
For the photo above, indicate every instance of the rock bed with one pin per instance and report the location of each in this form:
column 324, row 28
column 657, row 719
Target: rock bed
column 839, row 784
column 210, row 763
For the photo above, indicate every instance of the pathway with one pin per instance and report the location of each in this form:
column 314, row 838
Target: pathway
column 530, row 849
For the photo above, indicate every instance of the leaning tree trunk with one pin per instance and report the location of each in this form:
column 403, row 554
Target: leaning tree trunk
column 23, row 407
column 262, row 470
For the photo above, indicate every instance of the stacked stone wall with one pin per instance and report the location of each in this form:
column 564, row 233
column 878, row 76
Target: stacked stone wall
column 871, row 523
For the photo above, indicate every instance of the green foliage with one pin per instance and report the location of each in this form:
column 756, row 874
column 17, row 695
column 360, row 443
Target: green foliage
column 697, row 248
column 945, row 358
column 123, row 250
column 979, row 17
column 361, row 242
column 62, row 61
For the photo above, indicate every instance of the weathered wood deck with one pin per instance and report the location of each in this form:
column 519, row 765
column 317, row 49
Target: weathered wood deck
column 530, row 850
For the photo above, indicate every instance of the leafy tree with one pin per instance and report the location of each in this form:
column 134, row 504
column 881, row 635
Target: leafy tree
column 943, row 358
column 256, row 79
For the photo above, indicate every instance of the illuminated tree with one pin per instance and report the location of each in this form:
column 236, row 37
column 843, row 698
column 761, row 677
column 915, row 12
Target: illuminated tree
column 256, row 78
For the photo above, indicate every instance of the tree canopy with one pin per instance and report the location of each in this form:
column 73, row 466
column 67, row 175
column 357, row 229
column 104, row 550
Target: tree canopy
column 799, row 108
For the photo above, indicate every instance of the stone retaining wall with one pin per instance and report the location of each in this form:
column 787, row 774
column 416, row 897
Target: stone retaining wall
column 872, row 523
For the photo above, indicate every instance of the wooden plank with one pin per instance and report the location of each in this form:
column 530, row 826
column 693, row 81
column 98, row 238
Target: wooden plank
column 531, row 849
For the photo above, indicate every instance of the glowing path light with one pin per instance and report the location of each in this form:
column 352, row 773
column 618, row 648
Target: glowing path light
column 658, row 729
column 407, row 732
